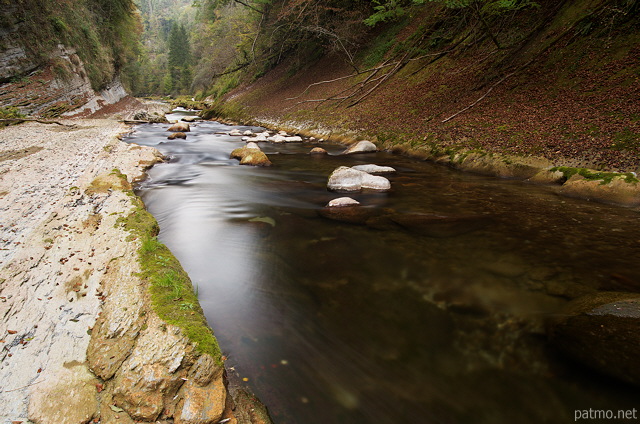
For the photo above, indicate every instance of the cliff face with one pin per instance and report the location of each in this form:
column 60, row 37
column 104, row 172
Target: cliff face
column 56, row 59
column 58, row 87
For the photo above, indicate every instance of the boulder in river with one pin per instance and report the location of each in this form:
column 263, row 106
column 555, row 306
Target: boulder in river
column 235, row 132
column 374, row 169
column 180, row 127
column 177, row 135
column 363, row 146
column 252, row 145
column 248, row 156
column 602, row 331
column 349, row 179
column 318, row 151
column 190, row 118
column 342, row 201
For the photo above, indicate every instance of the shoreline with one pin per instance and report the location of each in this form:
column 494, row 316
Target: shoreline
column 616, row 188
column 80, row 336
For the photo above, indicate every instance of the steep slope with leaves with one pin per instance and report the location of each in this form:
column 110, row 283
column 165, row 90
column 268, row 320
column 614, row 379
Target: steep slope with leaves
column 559, row 80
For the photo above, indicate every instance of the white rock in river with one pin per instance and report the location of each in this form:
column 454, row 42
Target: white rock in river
column 348, row 179
column 342, row 201
column 252, row 145
column 293, row 139
column 278, row 139
column 363, row 146
column 248, row 132
column 234, row 132
column 374, row 169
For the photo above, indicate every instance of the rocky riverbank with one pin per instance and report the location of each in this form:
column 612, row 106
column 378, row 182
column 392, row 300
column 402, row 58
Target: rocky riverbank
column 80, row 340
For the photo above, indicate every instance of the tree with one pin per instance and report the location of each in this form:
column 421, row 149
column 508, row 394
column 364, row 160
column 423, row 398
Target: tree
column 386, row 10
column 179, row 58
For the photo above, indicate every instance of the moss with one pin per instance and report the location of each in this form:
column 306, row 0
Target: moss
column 605, row 177
column 172, row 293
column 115, row 180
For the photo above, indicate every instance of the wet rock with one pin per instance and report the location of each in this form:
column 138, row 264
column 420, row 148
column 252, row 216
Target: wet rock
column 318, row 151
column 177, row 135
column 248, row 409
column 235, row 132
column 248, row 133
column 180, row 127
column 618, row 191
column 153, row 373
column 374, row 169
column 349, row 179
column 440, row 226
column 546, row 176
column 190, row 118
column 602, row 331
column 342, row 201
column 252, row 145
column 203, row 396
column 250, row 156
column 363, row 146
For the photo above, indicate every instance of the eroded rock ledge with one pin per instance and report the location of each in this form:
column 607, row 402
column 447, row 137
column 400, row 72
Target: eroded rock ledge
column 81, row 340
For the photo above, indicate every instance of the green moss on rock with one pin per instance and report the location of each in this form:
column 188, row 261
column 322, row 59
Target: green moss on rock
column 172, row 294
column 605, row 177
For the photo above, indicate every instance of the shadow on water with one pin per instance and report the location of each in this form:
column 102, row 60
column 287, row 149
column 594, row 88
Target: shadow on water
column 340, row 323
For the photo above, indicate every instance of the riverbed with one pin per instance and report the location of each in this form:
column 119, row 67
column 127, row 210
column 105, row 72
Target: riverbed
column 331, row 322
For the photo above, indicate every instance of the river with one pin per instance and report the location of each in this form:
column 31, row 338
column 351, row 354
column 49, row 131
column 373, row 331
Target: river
column 330, row 322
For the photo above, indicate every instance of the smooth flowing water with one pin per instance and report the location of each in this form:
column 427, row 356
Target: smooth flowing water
column 333, row 322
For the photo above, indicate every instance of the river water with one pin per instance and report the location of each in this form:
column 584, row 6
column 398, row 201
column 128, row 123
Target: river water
column 330, row 322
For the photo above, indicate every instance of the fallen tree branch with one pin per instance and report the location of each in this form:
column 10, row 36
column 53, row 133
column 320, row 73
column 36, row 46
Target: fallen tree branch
column 41, row 121
column 480, row 98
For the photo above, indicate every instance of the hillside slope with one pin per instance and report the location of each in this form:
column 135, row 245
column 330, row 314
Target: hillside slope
column 564, row 86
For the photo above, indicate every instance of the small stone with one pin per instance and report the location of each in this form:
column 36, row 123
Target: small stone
column 318, row 151
column 342, row 201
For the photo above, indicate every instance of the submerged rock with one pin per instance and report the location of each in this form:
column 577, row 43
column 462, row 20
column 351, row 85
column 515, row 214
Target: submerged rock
column 602, row 331
column 352, row 214
column 180, row 127
column 349, row 179
column 374, row 169
column 439, row 226
column 177, row 135
column 363, row 146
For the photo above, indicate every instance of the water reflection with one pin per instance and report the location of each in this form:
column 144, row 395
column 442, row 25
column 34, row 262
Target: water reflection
column 341, row 323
